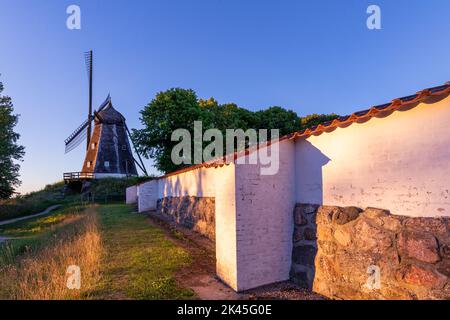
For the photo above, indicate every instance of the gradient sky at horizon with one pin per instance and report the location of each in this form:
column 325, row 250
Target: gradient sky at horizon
column 308, row 56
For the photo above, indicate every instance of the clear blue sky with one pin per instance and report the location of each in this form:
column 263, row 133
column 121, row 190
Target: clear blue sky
column 309, row 56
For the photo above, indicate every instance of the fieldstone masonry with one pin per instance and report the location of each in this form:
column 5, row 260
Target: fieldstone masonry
column 336, row 251
column 196, row 213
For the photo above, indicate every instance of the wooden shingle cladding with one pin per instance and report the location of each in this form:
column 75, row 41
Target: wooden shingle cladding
column 109, row 152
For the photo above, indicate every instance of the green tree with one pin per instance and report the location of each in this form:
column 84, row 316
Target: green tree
column 316, row 119
column 228, row 116
column 287, row 121
column 173, row 109
column 10, row 150
column 179, row 108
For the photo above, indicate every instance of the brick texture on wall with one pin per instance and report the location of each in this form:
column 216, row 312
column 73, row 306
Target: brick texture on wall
column 264, row 205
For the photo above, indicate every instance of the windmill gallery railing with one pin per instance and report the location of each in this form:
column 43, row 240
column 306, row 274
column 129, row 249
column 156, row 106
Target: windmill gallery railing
column 78, row 176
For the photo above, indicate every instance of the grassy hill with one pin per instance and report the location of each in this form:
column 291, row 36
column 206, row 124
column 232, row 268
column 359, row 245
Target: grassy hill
column 33, row 202
column 104, row 190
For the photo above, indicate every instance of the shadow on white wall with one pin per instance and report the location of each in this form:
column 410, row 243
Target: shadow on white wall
column 310, row 161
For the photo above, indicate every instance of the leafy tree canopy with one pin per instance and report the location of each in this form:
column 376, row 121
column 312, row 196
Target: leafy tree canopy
column 179, row 108
column 10, row 150
column 170, row 110
column 286, row 121
column 227, row 116
column 316, row 119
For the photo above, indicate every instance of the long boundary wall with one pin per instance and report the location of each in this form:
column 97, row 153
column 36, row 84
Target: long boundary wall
column 399, row 162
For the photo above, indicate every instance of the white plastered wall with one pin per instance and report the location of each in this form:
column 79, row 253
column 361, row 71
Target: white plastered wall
column 400, row 163
column 199, row 182
column 131, row 195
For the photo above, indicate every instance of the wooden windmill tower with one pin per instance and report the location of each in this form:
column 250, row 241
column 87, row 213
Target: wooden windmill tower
column 108, row 148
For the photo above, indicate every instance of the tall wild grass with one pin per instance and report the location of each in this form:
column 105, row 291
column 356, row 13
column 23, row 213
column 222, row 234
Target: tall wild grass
column 41, row 273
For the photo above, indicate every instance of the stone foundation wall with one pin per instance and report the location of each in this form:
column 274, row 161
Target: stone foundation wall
column 341, row 252
column 196, row 213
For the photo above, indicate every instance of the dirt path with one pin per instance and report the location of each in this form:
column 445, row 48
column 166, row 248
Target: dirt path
column 46, row 211
column 200, row 275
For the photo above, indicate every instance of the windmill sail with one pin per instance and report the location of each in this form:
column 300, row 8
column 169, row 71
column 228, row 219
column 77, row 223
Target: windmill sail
column 80, row 134
column 77, row 137
column 108, row 150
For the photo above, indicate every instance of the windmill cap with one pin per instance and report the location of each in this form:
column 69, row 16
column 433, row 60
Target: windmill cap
column 110, row 115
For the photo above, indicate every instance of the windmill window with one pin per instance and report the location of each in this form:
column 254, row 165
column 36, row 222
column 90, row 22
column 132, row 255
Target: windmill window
column 93, row 146
column 106, row 164
column 124, row 147
column 89, row 164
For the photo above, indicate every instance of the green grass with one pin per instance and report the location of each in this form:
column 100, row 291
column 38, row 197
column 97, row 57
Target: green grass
column 102, row 190
column 53, row 243
column 140, row 261
column 35, row 202
column 34, row 233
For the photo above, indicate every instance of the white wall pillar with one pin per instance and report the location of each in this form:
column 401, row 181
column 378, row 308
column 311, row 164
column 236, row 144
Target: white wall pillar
column 148, row 195
column 131, row 195
column 264, row 221
column 226, row 255
column 254, row 222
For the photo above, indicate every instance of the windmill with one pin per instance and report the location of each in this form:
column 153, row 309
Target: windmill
column 108, row 148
